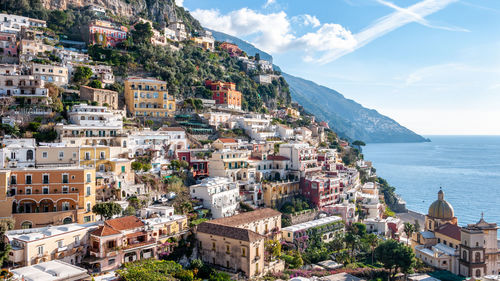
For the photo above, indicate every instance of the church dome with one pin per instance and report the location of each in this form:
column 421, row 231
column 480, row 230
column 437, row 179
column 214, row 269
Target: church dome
column 441, row 209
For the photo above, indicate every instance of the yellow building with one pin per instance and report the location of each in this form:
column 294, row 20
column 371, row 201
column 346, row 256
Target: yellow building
column 277, row 193
column 95, row 157
column 148, row 97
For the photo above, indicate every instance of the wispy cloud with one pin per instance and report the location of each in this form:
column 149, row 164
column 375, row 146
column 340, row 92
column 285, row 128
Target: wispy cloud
column 307, row 20
column 269, row 3
column 387, row 24
column 420, row 19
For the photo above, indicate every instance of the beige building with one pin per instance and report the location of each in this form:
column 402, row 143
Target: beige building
column 276, row 193
column 101, row 96
column 233, row 164
column 32, row 246
column 56, row 155
column 234, row 249
column 50, row 73
column 148, row 97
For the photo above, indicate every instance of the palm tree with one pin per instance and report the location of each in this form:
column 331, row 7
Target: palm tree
column 408, row 230
column 372, row 240
column 352, row 241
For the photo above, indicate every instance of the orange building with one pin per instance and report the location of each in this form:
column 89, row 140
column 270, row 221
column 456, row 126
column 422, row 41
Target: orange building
column 48, row 196
column 225, row 93
column 232, row 49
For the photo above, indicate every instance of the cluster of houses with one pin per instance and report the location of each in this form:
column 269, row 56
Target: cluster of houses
column 50, row 189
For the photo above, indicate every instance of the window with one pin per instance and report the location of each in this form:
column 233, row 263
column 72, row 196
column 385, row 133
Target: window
column 228, row 249
column 45, row 190
column 213, row 246
column 87, row 155
column 478, row 273
column 13, row 156
column 123, row 169
column 45, row 179
column 28, row 190
column 39, row 250
column 65, row 206
column 59, row 244
column 87, row 219
column 88, row 190
column 243, row 252
column 61, row 154
column 103, row 155
column 89, row 207
column 65, row 178
column 77, row 240
column 13, row 179
column 26, row 225
column 29, row 155
column 65, row 189
column 45, row 154
column 111, row 261
column 28, row 179
column 89, row 177
column 478, row 257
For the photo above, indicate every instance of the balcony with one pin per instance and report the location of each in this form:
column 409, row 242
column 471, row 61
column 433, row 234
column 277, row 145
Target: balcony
column 138, row 245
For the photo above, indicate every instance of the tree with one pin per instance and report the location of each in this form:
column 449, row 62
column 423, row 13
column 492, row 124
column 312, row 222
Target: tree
column 142, row 33
column 219, row 276
column 257, row 56
column 395, row 257
column 82, row 74
column 129, row 211
column 408, row 230
column 358, row 144
column 352, row 241
column 136, row 166
column 107, row 210
column 96, row 84
column 5, row 225
column 372, row 240
column 150, row 270
column 273, row 247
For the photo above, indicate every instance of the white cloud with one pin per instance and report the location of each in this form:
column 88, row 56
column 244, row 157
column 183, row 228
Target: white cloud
column 307, row 20
column 273, row 32
column 269, row 3
column 179, row 3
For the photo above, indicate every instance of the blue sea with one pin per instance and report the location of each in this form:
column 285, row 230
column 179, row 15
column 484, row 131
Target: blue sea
column 466, row 167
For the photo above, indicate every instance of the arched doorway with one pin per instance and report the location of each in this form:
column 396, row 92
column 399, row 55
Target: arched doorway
column 26, row 225
column 67, row 220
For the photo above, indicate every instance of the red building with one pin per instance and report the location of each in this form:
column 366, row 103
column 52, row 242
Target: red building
column 321, row 190
column 232, row 49
column 106, row 33
column 225, row 93
column 199, row 167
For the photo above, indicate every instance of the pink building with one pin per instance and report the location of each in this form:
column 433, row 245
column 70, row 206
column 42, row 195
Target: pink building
column 321, row 190
column 118, row 241
column 8, row 44
column 106, row 33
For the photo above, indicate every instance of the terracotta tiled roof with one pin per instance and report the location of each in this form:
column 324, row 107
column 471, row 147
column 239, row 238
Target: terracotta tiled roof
column 229, row 232
column 227, row 140
column 125, row 223
column 254, row 158
column 450, row 230
column 277, row 157
column 247, row 217
column 104, row 230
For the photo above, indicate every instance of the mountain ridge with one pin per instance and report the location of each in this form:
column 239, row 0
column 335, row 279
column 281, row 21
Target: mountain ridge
column 348, row 118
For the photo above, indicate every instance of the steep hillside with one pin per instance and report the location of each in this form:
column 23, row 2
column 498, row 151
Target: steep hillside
column 345, row 116
column 248, row 48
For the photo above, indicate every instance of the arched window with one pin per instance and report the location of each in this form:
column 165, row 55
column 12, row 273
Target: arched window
column 67, row 220
column 26, row 225
column 464, row 255
column 478, row 257
column 478, row 272
column 29, row 155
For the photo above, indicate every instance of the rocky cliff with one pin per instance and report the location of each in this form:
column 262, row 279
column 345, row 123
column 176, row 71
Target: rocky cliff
column 160, row 11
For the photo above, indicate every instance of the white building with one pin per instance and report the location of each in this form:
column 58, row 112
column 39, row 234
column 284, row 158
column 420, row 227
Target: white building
column 257, row 126
column 17, row 153
column 304, row 157
column 29, row 87
column 166, row 140
column 14, row 23
column 439, row 256
column 91, row 125
column 220, row 195
column 285, row 132
column 216, row 119
column 293, row 233
column 180, row 30
column 233, row 164
column 50, row 271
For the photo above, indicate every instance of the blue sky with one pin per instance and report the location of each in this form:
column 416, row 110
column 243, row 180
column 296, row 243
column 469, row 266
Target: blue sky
column 432, row 65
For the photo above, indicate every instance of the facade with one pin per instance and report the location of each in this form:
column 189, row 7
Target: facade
column 303, row 157
column 118, row 241
column 106, row 33
column 92, row 125
column 50, row 73
column 17, row 153
column 277, row 193
column 167, row 140
column 232, row 49
column 50, row 196
column 51, row 271
column 206, row 42
column 14, row 23
column 233, row 164
column 148, row 97
column 101, row 96
column 225, row 94
column 56, row 155
column 27, row 87
column 218, row 194
column 216, row 119
column 234, row 249
column 326, row 228
column 8, row 42
column 264, row 221
column 35, row 245
column 257, row 126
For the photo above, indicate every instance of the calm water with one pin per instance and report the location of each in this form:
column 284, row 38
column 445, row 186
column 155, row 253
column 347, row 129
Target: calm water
column 467, row 167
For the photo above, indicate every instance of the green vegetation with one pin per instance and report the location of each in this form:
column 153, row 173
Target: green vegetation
column 395, row 257
column 82, row 74
column 142, row 32
column 5, row 225
column 107, row 210
column 298, row 204
column 96, row 84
